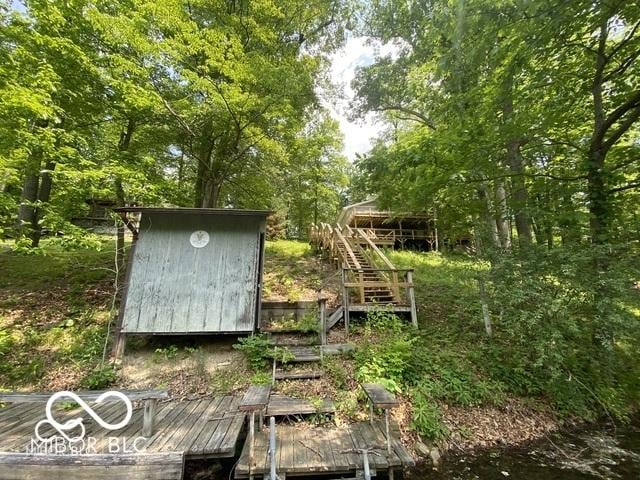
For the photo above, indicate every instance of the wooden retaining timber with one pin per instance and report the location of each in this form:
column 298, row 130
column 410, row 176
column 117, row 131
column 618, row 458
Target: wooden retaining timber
column 159, row 466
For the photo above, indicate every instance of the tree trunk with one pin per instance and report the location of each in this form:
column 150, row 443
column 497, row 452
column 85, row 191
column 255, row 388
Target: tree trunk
column 502, row 217
column 44, row 194
column 28, row 197
column 211, row 194
column 489, row 239
column 200, row 182
column 515, row 162
column 519, row 193
column 123, row 146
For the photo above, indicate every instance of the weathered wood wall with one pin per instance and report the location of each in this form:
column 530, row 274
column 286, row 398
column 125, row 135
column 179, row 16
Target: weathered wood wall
column 177, row 288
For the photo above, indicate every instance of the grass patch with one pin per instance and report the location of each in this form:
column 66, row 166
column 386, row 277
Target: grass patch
column 291, row 272
column 54, row 309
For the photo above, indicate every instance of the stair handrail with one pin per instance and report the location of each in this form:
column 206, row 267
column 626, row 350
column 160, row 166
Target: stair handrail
column 349, row 252
column 394, row 273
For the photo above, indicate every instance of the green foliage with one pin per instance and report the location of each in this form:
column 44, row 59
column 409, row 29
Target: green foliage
column 258, row 350
column 166, row 353
column 335, row 371
column 384, row 354
column 260, row 378
column 290, row 249
column 427, row 416
column 109, row 101
column 556, row 319
column 100, row 378
column 51, row 314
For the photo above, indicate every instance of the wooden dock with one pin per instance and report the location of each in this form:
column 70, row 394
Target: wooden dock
column 203, row 428
column 320, row 450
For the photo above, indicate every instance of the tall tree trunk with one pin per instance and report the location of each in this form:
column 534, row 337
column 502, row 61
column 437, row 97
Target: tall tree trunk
column 489, row 238
column 596, row 186
column 502, row 217
column 28, row 197
column 211, row 194
column 44, row 194
column 123, row 146
column 200, row 182
column 515, row 162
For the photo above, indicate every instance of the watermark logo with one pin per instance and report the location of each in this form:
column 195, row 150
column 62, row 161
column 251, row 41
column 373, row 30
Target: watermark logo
column 71, row 434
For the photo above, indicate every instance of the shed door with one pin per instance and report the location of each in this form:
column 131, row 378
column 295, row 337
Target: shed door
column 193, row 274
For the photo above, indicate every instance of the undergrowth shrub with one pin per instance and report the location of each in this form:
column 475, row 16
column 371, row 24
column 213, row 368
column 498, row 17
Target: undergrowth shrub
column 384, row 355
column 100, row 377
column 567, row 326
column 257, row 349
column 260, row 350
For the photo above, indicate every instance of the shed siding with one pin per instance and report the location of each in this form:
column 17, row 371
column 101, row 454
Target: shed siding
column 177, row 288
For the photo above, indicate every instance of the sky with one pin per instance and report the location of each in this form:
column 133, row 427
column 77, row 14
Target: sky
column 357, row 52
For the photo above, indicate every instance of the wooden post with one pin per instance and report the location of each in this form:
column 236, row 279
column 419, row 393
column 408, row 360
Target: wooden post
column 371, row 413
column 120, row 344
column 412, row 299
column 365, row 464
column 252, row 428
column 273, row 373
column 395, row 289
column 322, row 305
column 345, row 303
column 272, row 449
column 149, row 416
column 386, row 425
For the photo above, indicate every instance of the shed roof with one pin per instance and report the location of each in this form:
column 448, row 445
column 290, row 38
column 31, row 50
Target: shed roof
column 200, row 211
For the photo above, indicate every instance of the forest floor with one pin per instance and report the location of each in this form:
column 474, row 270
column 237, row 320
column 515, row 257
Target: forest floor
column 55, row 307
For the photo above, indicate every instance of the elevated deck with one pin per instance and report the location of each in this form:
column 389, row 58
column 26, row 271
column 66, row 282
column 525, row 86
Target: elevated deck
column 320, row 450
column 204, row 428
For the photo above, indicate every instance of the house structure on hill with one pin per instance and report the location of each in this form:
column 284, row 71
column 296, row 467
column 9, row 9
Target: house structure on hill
column 398, row 230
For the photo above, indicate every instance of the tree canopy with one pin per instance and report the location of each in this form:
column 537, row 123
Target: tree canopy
column 201, row 103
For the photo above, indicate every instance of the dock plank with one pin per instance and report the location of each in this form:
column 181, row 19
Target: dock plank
column 255, row 398
column 324, row 451
column 380, row 396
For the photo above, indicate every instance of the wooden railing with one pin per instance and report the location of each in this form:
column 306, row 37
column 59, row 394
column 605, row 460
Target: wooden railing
column 345, row 246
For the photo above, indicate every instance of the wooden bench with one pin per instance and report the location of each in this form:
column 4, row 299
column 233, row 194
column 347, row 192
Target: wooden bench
column 380, row 397
column 255, row 400
column 149, row 397
column 139, row 466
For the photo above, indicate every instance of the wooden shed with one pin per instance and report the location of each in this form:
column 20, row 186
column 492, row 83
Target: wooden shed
column 193, row 271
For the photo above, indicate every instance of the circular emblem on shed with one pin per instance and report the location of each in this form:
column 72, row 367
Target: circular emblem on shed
column 199, row 238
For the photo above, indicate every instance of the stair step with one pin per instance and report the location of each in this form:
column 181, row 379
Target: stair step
column 280, row 406
column 311, row 374
column 305, row 353
column 281, row 339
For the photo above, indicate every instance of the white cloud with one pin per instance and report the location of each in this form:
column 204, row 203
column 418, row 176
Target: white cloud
column 357, row 52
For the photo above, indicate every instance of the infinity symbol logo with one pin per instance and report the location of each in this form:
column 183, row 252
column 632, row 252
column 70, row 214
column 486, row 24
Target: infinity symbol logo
column 62, row 428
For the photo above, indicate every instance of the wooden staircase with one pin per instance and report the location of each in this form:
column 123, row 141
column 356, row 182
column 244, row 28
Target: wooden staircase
column 369, row 279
